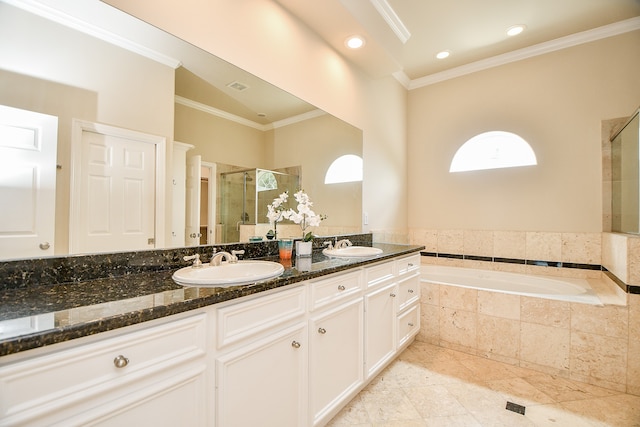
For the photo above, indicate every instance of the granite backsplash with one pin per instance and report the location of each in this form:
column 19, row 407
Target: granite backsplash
column 78, row 268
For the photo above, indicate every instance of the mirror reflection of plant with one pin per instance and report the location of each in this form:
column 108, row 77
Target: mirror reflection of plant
column 276, row 211
column 304, row 216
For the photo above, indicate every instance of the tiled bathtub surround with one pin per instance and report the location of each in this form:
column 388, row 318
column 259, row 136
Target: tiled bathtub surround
column 593, row 344
column 539, row 252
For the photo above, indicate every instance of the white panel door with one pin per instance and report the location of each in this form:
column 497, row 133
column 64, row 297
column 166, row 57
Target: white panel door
column 114, row 194
column 28, row 143
column 194, row 175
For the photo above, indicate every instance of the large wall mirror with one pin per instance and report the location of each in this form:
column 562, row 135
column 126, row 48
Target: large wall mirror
column 88, row 65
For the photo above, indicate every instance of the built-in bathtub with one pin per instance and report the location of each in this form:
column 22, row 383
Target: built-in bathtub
column 557, row 288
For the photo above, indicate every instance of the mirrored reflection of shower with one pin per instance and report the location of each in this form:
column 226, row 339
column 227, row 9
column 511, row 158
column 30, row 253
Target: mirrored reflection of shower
column 244, row 196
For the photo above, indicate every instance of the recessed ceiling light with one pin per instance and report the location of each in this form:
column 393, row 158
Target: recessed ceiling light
column 443, row 54
column 354, row 42
column 515, row 30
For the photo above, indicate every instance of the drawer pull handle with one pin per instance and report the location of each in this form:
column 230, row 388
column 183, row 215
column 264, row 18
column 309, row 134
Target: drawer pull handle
column 295, row 344
column 410, row 264
column 322, row 331
column 410, row 324
column 341, row 287
column 120, row 361
column 393, row 295
column 410, row 291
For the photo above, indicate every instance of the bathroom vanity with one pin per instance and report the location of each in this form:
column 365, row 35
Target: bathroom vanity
column 290, row 351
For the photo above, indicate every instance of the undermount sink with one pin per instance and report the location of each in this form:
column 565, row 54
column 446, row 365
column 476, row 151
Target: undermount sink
column 228, row 274
column 352, row 252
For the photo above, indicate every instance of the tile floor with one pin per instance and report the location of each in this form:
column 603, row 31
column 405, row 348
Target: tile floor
column 433, row 386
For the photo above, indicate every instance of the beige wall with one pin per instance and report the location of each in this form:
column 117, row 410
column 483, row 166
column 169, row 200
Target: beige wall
column 556, row 102
column 219, row 140
column 261, row 38
column 314, row 144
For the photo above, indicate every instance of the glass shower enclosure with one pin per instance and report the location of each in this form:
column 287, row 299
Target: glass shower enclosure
column 244, row 196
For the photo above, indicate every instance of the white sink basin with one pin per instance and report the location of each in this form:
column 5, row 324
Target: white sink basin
column 228, row 274
column 352, row 252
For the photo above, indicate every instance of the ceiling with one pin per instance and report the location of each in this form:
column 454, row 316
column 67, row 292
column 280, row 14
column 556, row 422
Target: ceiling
column 473, row 31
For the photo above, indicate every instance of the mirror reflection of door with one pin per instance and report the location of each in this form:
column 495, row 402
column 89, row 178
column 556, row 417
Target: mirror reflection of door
column 28, row 142
column 113, row 205
column 208, row 195
column 194, row 177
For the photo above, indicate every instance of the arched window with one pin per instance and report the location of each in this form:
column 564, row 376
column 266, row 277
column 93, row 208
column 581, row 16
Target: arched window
column 493, row 150
column 347, row 168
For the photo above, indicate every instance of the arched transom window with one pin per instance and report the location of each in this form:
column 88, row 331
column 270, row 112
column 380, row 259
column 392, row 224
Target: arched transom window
column 493, row 150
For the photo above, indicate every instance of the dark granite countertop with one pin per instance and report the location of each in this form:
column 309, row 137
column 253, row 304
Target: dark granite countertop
column 36, row 316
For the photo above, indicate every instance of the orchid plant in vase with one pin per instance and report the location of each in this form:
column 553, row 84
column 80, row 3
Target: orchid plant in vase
column 304, row 216
column 276, row 211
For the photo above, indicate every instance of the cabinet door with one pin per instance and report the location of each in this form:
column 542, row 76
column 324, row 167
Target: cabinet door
column 178, row 400
column 336, row 357
column 264, row 383
column 380, row 327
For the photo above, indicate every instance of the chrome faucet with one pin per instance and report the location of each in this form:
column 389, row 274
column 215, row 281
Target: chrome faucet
column 196, row 260
column 231, row 258
column 342, row 243
column 217, row 258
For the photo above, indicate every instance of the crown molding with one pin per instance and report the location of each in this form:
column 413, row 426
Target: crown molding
column 219, row 113
column 60, row 17
column 588, row 36
column 299, row 118
column 392, row 19
column 246, row 122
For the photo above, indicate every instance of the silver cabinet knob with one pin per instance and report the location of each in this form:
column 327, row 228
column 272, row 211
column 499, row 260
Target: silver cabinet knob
column 392, row 295
column 120, row 361
column 295, row 344
column 341, row 287
column 322, row 331
column 44, row 246
column 410, row 291
column 410, row 324
column 410, row 264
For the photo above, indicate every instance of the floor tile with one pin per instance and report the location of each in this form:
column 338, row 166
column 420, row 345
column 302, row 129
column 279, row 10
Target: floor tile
column 431, row 386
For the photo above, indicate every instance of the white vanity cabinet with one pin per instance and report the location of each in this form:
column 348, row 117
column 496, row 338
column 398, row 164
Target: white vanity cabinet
column 408, row 299
column 154, row 375
column 391, row 303
column 336, row 341
column 380, row 312
column 292, row 356
column 261, row 362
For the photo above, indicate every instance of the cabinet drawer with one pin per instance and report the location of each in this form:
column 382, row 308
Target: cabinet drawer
column 40, row 385
column 239, row 321
column 408, row 264
column 334, row 288
column 378, row 274
column 408, row 324
column 408, row 291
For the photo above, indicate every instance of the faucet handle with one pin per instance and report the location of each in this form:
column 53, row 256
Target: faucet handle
column 234, row 255
column 196, row 257
column 328, row 244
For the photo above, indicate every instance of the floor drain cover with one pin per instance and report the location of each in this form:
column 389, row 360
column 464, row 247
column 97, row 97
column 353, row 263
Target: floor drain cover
column 514, row 407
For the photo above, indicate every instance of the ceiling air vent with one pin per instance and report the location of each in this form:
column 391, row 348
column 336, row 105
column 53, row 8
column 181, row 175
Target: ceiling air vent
column 238, row 86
